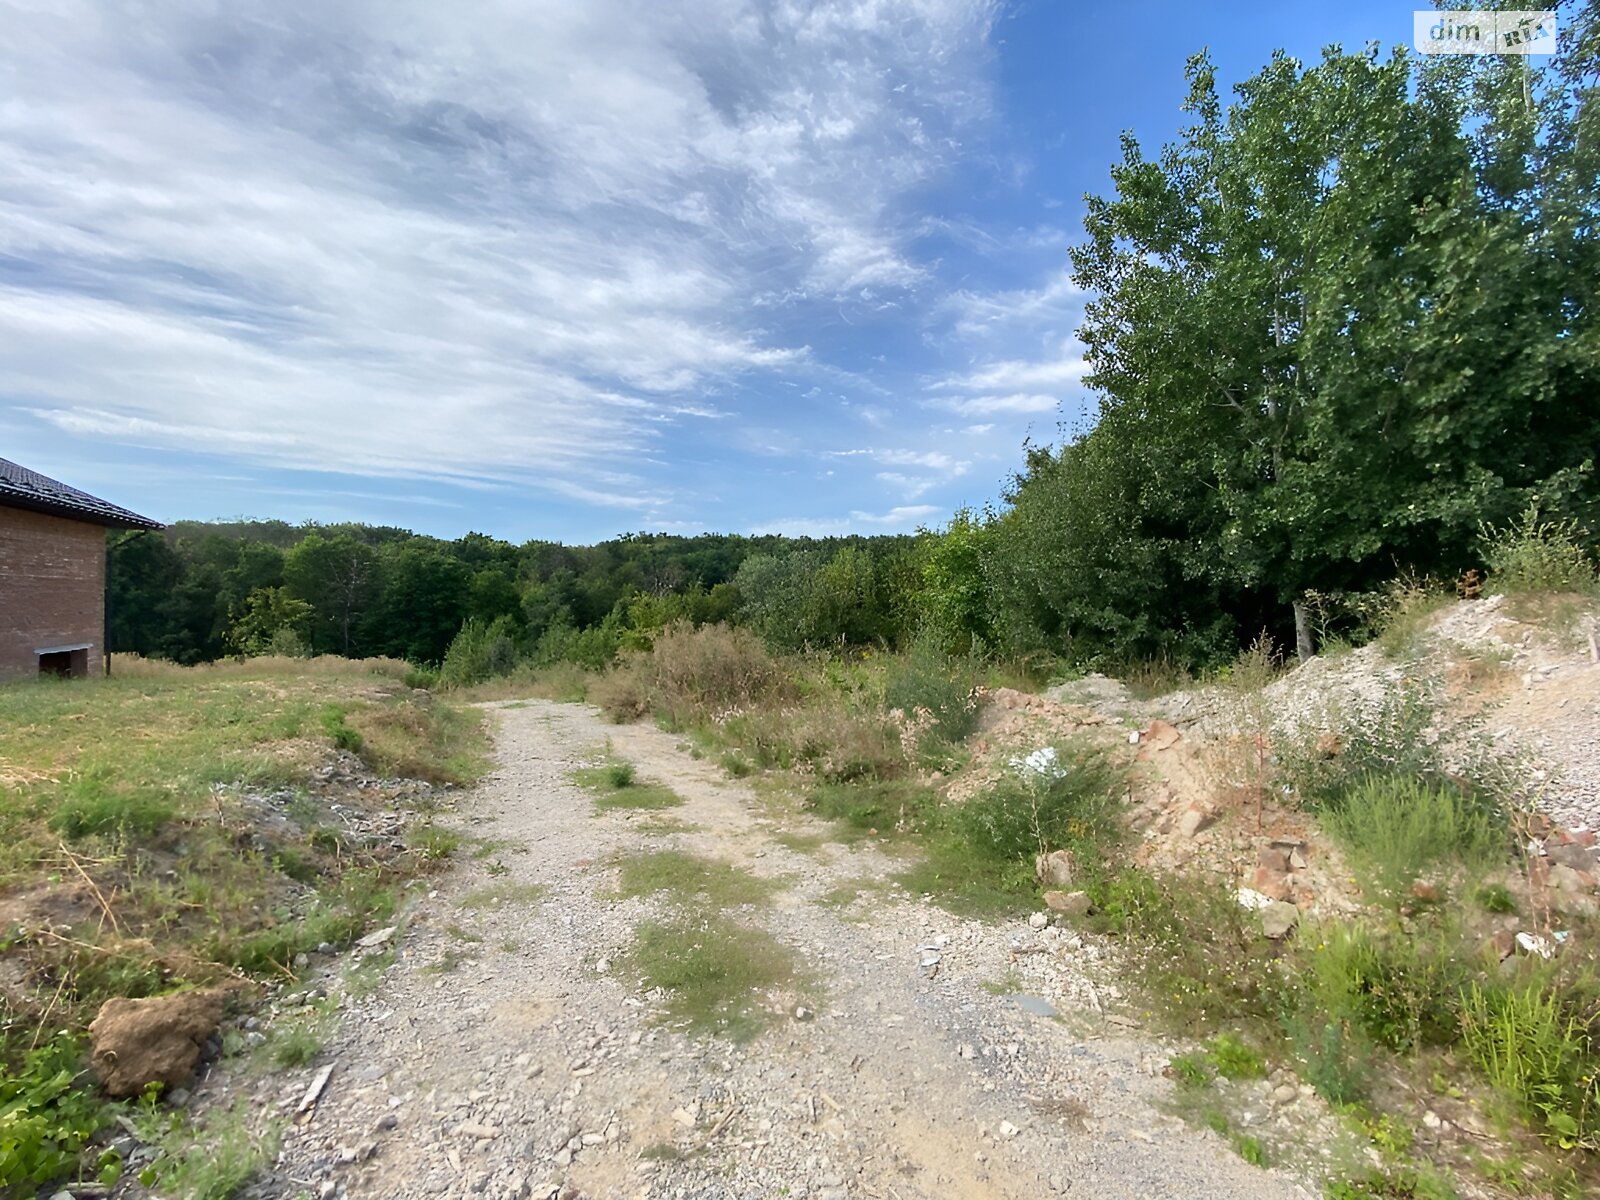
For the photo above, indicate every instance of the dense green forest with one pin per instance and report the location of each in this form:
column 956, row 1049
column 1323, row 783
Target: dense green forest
column 1338, row 329
column 201, row 591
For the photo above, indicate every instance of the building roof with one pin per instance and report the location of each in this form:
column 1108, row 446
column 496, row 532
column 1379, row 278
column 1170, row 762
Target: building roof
column 22, row 488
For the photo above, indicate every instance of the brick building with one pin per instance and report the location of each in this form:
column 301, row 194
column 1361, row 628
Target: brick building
column 53, row 574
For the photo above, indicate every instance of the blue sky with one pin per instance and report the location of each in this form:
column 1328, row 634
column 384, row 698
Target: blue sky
column 569, row 269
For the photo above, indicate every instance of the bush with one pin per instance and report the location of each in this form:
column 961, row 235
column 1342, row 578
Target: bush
column 1399, row 988
column 937, row 695
column 1538, row 556
column 1335, row 1057
column 1393, row 831
column 479, row 651
column 695, row 674
column 1197, row 957
column 1068, row 802
column 620, row 694
column 1404, row 737
column 839, row 745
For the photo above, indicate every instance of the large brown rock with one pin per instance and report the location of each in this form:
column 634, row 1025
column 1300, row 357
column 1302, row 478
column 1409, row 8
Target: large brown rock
column 135, row 1043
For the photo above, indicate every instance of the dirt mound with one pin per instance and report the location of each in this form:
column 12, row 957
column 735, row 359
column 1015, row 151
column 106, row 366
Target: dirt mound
column 156, row 1040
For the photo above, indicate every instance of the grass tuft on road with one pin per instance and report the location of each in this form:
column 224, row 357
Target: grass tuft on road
column 688, row 878
column 615, row 786
column 714, row 971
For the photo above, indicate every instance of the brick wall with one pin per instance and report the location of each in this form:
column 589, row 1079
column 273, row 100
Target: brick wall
column 52, row 588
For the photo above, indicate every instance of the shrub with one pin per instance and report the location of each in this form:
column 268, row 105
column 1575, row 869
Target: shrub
column 1197, row 958
column 1393, row 831
column 693, row 674
column 937, row 693
column 1335, row 1057
column 1067, row 802
column 620, row 693
column 1405, row 736
column 1538, row 556
column 1400, row 988
column 842, row 746
column 481, row 650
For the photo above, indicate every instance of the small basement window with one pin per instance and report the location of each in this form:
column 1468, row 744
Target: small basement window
column 66, row 662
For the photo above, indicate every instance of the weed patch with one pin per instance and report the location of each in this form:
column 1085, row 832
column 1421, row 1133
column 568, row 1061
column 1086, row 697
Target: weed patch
column 1539, row 1055
column 504, row 895
column 213, row 1161
column 688, row 878
column 1395, row 831
column 714, row 972
column 615, row 786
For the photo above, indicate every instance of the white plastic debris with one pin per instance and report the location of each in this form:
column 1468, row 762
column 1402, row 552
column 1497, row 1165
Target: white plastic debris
column 1043, row 763
column 1532, row 943
column 1253, row 900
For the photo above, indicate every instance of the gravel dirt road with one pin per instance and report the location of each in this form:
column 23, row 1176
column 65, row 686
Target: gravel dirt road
column 507, row 1054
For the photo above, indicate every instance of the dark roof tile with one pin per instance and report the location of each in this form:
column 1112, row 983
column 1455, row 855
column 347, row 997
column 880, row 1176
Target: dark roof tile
column 22, row 488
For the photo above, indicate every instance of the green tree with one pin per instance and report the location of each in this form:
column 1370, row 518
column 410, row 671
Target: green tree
column 268, row 619
column 338, row 577
column 1320, row 325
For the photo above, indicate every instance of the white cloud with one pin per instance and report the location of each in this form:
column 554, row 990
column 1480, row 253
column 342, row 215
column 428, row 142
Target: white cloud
column 1017, row 402
column 905, row 518
column 478, row 241
column 1060, row 370
column 1055, row 304
column 909, row 486
column 933, row 460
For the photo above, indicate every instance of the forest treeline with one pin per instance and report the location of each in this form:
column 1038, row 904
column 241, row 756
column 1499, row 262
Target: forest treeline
column 1339, row 330
column 201, row 591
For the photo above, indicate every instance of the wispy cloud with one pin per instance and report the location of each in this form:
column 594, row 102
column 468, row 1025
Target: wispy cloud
column 1017, row 402
column 1063, row 368
column 475, row 242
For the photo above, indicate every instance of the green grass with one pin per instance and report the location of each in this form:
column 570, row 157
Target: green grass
column 715, row 972
column 801, row 843
column 1538, row 1052
column 504, row 895
column 615, row 786
column 1396, row 831
column 1226, row 1056
column 138, row 782
column 434, row 844
column 213, row 1161
column 687, row 878
column 297, row 1042
column 884, row 807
